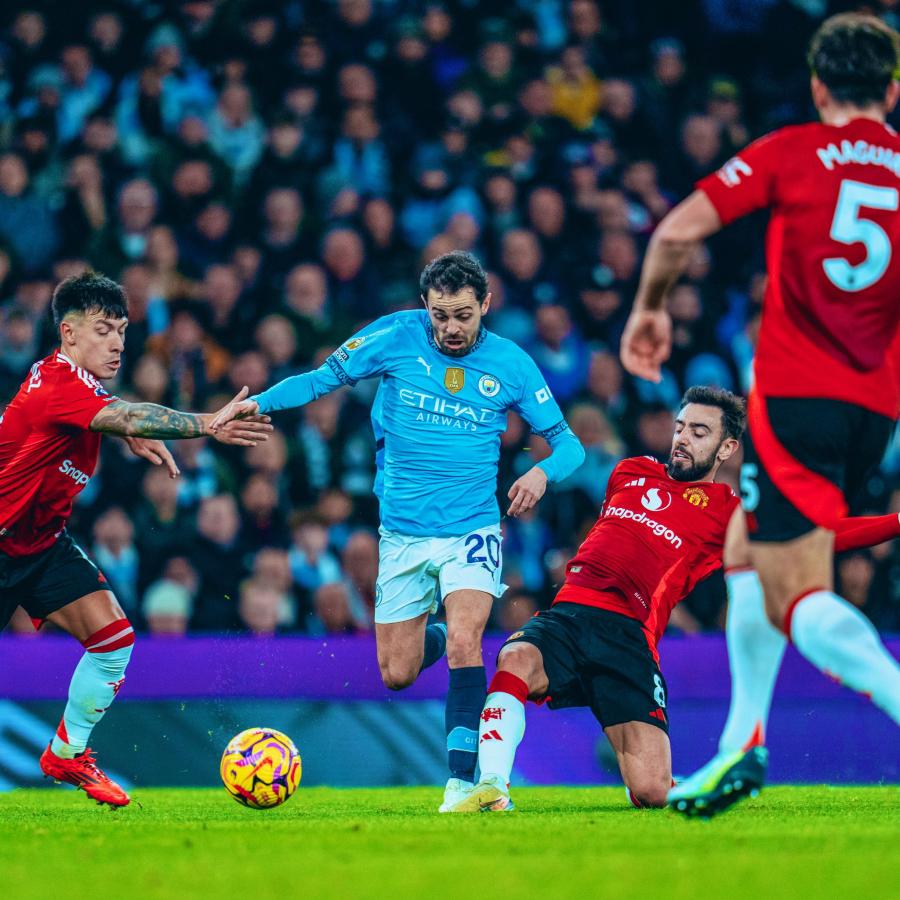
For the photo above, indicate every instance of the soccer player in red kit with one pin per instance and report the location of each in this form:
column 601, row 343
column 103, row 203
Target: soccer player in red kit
column 49, row 445
column 826, row 391
column 662, row 529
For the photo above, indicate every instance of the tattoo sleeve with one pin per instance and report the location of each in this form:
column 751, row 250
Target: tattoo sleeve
column 147, row 420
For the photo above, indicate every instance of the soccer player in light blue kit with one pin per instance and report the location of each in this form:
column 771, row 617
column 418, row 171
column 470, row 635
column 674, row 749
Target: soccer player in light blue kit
column 446, row 386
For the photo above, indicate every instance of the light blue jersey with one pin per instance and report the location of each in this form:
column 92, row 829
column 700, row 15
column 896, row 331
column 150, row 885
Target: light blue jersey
column 440, row 418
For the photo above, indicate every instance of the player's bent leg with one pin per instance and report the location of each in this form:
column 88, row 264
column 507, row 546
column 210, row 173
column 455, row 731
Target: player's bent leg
column 467, row 614
column 99, row 623
column 830, row 632
column 789, row 569
column 520, row 675
column 400, row 648
column 645, row 761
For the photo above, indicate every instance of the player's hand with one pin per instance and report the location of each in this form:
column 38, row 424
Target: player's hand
column 527, row 490
column 153, row 451
column 239, row 407
column 646, row 343
column 247, row 431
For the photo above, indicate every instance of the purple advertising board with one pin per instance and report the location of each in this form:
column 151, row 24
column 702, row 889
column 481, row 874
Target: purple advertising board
column 819, row 731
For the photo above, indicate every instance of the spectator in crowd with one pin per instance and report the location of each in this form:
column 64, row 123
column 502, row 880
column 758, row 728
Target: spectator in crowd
column 27, row 223
column 116, row 556
column 168, row 602
column 311, row 562
column 560, row 352
column 331, row 611
column 218, row 557
column 263, row 609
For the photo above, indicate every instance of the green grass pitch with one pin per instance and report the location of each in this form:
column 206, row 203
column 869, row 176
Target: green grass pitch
column 803, row 842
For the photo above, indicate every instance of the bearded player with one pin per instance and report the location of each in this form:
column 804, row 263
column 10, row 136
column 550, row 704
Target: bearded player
column 826, row 390
column 446, row 386
column 661, row 531
column 49, row 444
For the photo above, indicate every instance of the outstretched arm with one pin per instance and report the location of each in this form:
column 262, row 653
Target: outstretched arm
column 865, row 531
column 647, row 339
column 366, row 355
column 850, row 534
column 150, row 420
column 147, row 420
column 298, row 390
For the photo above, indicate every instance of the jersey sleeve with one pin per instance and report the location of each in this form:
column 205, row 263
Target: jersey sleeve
column 366, row 354
column 747, row 181
column 612, row 483
column 535, row 402
column 75, row 399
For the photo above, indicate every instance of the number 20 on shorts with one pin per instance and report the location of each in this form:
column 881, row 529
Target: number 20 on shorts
column 483, row 549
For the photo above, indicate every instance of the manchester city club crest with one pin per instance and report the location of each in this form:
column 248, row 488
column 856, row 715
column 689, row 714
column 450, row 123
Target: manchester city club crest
column 454, row 380
column 488, row 386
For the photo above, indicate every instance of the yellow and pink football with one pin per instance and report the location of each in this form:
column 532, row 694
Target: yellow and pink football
column 261, row 768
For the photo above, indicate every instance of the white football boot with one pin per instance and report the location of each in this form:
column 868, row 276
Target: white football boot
column 455, row 792
column 491, row 794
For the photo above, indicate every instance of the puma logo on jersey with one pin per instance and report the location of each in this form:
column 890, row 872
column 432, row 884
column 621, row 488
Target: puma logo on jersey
column 427, row 367
column 74, row 473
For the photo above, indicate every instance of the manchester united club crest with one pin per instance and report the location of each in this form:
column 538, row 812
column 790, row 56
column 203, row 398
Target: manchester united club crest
column 696, row 497
column 454, row 379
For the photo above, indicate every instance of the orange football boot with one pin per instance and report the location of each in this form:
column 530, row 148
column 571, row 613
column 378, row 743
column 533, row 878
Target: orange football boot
column 84, row 773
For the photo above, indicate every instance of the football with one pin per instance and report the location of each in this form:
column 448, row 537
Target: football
column 261, row 768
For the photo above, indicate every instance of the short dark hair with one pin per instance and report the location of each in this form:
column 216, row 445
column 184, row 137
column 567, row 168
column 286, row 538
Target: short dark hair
column 451, row 273
column 856, row 57
column 89, row 292
column 734, row 410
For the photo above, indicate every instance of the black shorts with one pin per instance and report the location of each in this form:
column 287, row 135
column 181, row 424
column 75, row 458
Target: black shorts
column 824, row 439
column 599, row 659
column 45, row 581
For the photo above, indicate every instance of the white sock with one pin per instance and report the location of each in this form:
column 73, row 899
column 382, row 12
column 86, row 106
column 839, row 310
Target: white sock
column 755, row 650
column 840, row 641
column 500, row 732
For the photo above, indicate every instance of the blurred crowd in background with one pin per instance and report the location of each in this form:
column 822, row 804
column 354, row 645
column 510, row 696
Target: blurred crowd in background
column 265, row 177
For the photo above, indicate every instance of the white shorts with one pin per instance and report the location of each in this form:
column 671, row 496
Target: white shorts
column 414, row 572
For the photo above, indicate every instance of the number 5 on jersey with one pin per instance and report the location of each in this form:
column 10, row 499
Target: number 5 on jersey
column 848, row 227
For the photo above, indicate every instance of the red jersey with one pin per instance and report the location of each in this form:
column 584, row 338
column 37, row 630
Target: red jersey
column 832, row 303
column 47, row 453
column 655, row 539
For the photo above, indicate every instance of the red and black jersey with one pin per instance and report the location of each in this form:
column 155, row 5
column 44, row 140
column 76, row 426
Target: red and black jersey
column 832, row 303
column 47, row 452
column 655, row 539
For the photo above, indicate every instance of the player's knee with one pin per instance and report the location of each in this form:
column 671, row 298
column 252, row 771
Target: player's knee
column 463, row 648
column 110, row 648
column 397, row 675
column 522, row 660
column 650, row 793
